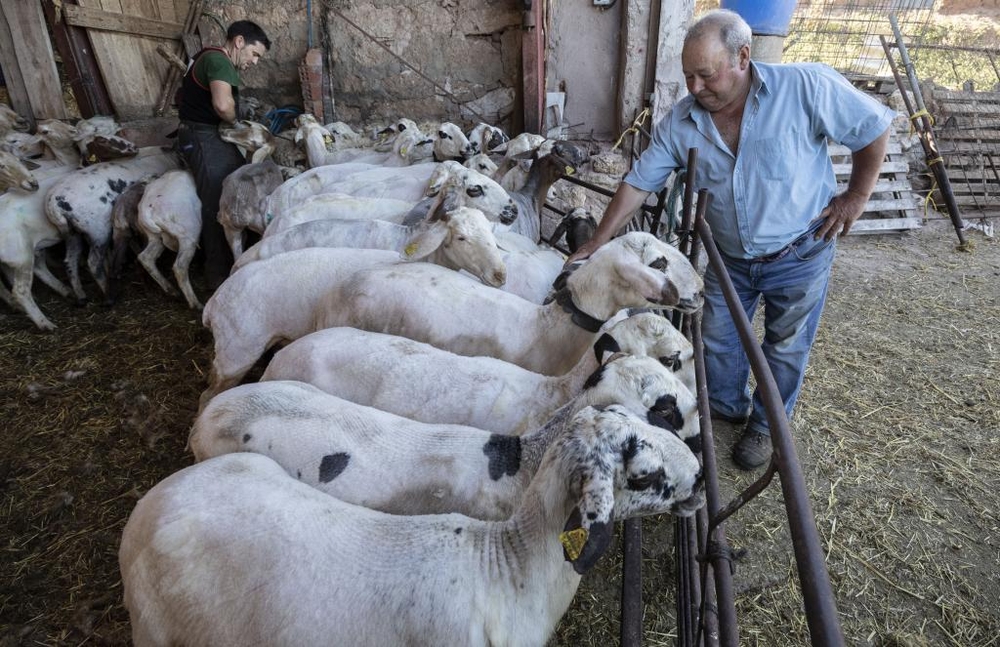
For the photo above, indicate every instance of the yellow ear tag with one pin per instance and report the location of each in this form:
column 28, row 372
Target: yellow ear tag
column 569, row 170
column 92, row 158
column 327, row 140
column 410, row 249
column 573, row 541
column 403, row 150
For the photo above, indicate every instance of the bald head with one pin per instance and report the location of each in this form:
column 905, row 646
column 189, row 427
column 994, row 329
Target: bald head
column 725, row 26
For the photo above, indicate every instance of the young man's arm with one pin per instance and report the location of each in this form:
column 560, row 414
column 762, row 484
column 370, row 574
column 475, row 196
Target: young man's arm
column 222, row 100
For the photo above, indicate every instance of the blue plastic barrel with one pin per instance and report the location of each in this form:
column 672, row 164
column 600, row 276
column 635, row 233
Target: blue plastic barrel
column 765, row 17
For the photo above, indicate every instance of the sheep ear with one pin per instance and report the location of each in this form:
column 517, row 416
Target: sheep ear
column 654, row 286
column 299, row 135
column 441, row 208
column 605, row 344
column 584, row 546
column 262, row 153
column 437, row 180
column 425, row 241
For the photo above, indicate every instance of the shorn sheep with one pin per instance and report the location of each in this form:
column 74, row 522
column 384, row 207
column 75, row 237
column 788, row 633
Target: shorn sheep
column 310, row 289
column 233, row 551
column 457, row 238
column 169, row 214
column 25, row 233
column 386, row 462
column 416, row 380
column 79, row 205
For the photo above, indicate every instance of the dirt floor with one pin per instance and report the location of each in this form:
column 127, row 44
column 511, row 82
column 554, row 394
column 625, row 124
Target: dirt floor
column 898, row 434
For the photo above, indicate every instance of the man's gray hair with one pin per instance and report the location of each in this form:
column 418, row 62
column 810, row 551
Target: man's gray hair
column 733, row 32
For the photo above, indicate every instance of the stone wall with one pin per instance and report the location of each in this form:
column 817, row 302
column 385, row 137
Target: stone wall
column 470, row 50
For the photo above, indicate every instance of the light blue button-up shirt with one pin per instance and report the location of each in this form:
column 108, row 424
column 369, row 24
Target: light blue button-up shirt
column 781, row 178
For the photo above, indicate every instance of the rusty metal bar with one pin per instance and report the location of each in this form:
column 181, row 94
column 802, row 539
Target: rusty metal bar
column 631, row 612
column 717, row 604
column 926, row 134
column 817, row 594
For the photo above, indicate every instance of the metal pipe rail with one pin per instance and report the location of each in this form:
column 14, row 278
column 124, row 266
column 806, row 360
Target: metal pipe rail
column 705, row 566
column 817, row 594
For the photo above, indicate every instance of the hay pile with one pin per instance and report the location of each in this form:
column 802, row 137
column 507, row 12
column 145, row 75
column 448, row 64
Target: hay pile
column 898, row 432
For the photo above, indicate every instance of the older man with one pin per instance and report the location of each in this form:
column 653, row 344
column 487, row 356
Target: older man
column 761, row 132
column 209, row 97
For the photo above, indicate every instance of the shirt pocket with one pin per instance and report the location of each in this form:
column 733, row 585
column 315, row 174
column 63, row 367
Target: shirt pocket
column 775, row 158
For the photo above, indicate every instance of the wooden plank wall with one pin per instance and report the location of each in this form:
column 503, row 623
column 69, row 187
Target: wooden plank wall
column 133, row 72
column 28, row 62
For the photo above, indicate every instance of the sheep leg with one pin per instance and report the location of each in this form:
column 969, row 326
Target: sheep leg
column 217, row 384
column 181, row 264
column 22, row 295
column 74, row 247
column 46, row 276
column 148, row 258
column 235, row 239
column 7, row 297
column 97, row 264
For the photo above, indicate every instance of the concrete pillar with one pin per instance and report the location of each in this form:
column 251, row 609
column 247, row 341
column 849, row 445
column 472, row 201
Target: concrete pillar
column 766, row 48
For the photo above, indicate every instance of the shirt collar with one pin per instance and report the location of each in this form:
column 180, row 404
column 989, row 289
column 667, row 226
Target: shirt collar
column 758, row 85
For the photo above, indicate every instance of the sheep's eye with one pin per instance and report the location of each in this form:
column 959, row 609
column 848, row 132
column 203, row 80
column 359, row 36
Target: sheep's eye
column 461, row 239
column 659, row 264
column 443, row 135
column 642, row 482
column 474, row 191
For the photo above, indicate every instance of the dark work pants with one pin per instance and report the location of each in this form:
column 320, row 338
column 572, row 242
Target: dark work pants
column 210, row 160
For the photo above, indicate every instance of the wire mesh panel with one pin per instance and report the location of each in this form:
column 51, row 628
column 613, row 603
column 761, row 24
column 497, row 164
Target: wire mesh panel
column 844, row 33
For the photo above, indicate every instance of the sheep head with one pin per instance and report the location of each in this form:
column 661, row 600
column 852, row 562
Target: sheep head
column 620, row 467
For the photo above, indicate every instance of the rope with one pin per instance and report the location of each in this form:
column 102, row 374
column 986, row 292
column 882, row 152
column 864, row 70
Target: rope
column 633, row 129
column 917, row 115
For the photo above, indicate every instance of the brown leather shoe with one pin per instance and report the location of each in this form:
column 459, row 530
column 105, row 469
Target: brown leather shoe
column 752, row 450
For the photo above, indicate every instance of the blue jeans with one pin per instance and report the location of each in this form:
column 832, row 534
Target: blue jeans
column 793, row 288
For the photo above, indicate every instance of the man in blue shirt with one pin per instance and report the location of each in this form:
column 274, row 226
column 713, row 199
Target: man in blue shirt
column 761, row 132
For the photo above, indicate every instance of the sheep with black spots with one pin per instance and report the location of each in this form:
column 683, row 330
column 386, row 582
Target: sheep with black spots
column 233, row 551
column 403, row 466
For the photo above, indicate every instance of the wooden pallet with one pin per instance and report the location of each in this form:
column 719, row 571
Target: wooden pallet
column 893, row 205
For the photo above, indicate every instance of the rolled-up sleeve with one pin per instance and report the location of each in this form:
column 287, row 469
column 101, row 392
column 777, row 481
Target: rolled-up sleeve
column 658, row 161
column 850, row 117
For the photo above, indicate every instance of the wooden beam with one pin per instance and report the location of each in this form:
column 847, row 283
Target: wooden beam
column 79, row 64
column 26, row 34
column 110, row 21
column 533, row 66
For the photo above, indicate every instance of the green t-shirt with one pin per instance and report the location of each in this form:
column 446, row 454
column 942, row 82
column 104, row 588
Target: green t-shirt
column 215, row 66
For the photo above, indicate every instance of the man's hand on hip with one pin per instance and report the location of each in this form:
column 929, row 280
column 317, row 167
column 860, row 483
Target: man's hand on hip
column 840, row 214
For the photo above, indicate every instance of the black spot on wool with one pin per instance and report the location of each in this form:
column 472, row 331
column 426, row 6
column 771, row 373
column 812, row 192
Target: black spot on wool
column 630, row 448
column 332, row 465
column 62, row 204
column 504, row 454
column 117, row 185
column 246, row 438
